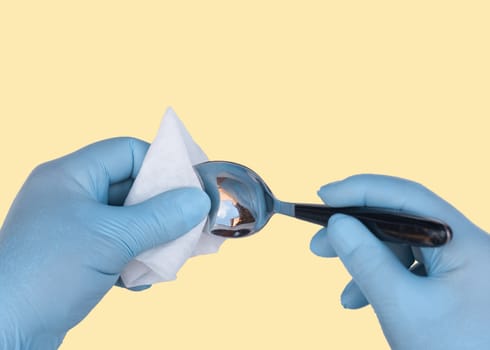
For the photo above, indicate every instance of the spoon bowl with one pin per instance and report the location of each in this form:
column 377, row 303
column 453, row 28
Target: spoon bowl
column 242, row 204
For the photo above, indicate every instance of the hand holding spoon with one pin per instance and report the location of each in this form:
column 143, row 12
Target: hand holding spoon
column 242, row 204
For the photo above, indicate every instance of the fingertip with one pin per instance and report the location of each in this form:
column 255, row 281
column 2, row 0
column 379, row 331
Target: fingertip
column 193, row 202
column 317, row 241
column 371, row 263
column 336, row 218
column 326, row 187
column 140, row 288
column 325, row 191
column 120, row 283
column 197, row 196
column 345, row 300
column 319, row 245
column 352, row 297
column 346, row 233
column 161, row 219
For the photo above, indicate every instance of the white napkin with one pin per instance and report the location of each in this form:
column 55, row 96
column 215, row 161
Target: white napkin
column 168, row 165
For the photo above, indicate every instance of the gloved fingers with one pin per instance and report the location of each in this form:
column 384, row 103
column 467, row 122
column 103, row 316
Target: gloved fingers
column 118, row 192
column 387, row 192
column 158, row 220
column 99, row 165
column 320, row 246
column 352, row 297
column 372, row 265
column 400, row 194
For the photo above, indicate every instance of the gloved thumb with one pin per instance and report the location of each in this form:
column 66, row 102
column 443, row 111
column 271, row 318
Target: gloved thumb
column 157, row 220
column 373, row 266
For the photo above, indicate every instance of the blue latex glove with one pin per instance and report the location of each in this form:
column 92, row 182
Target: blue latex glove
column 66, row 239
column 449, row 308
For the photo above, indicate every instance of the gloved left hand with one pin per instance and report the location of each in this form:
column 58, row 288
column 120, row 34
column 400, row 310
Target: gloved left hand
column 66, row 239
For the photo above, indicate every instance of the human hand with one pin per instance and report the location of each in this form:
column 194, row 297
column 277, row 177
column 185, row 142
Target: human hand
column 66, row 238
column 449, row 308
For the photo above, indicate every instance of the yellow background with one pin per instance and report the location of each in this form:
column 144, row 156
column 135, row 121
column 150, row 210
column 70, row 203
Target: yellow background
column 304, row 92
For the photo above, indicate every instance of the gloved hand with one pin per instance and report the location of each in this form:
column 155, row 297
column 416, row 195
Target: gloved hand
column 449, row 308
column 66, row 239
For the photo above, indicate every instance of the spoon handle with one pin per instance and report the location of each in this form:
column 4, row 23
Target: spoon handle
column 388, row 225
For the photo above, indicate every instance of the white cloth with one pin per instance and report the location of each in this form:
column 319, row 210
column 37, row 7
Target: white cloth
column 168, row 165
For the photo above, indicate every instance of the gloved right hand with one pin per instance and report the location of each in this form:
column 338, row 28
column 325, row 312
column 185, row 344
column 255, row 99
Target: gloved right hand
column 449, row 308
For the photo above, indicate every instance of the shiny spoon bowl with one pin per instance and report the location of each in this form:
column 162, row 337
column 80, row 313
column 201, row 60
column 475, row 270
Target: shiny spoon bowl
column 242, row 204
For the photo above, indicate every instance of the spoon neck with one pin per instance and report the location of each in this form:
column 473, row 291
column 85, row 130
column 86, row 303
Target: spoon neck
column 284, row 208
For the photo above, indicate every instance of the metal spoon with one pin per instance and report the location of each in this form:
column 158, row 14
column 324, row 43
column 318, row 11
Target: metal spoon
column 242, row 204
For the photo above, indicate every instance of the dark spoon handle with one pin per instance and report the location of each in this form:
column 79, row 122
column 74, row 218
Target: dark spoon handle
column 387, row 225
